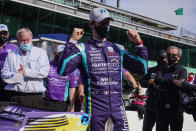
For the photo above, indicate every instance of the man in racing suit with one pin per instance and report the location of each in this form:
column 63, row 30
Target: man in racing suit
column 101, row 63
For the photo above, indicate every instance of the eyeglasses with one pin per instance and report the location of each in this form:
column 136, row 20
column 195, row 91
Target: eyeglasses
column 170, row 54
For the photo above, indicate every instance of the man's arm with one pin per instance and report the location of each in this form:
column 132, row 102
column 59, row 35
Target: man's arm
column 131, row 78
column 71, row 57
column 148, row 79
column 42, row 68
column 6, row 71
column 136, row 63
column 185, row 86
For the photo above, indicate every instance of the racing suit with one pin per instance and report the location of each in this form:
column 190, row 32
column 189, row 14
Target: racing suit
column 101, row 65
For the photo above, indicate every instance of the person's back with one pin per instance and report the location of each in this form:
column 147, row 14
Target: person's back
column 57, row 87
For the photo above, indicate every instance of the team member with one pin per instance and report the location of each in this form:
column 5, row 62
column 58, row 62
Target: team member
column 24, row 70
column 5, row 47
column 170, row 108
column 57, row 87
column 191, row 77
column 76, row 94
column 101, row 64
column 148, row 82
column 76, row 97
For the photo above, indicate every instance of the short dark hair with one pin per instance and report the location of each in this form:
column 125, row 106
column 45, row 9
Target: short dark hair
column 191, row 73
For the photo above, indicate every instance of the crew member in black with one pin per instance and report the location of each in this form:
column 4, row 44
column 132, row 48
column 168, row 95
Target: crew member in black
column 170, row 107
column 148, row 82
column 190, row 97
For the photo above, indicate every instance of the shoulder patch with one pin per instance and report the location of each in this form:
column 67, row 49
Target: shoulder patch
column 120, row 46
column 80, row 47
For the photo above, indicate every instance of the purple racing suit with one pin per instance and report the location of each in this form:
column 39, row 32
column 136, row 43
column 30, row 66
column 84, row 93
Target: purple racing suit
column 101, row 65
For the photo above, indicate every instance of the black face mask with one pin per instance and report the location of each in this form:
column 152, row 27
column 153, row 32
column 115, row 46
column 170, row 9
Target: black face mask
column 102, row 30
column 171, row 59
column 3, row 40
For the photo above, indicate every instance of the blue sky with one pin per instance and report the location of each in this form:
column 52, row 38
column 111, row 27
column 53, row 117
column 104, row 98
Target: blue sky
column 162, row 10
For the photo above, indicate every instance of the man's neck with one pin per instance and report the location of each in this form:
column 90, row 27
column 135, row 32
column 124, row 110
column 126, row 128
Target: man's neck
column 97, row 37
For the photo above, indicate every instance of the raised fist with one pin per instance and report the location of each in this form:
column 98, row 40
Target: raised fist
column 77, row 34
column 133, row 36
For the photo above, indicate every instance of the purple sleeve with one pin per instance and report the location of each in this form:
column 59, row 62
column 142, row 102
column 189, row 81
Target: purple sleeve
column 136, row 63
column 69, row 60
column 80, row 80
column 75, row 79
column 124, row 71
column 73, row 83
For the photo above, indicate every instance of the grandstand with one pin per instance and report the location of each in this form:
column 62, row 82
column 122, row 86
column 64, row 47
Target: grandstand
column 61, row 16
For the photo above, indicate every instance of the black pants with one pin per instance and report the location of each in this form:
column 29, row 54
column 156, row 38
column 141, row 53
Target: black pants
column 57, row 106
column 34, row 100
column 149, row 119
column 170, row 117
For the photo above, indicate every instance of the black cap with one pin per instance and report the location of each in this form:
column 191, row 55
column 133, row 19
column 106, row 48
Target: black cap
column 162, row 54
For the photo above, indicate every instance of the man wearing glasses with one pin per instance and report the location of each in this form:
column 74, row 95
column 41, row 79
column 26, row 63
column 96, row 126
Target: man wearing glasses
column 5, row 47
column 170, row 110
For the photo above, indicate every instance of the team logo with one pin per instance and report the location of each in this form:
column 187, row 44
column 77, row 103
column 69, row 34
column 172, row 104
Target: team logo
column 114, row 64
column 111, row 51
column 85, row 119
column 103, row 11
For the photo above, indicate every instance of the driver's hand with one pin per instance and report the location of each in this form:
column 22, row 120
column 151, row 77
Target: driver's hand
column 133, row 36
column 77, row 34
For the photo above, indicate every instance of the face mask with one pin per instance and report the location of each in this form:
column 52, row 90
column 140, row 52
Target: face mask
column 25, row 47
column 3, row 40
column 102, row 30
column 190, row 79
column 171, row 59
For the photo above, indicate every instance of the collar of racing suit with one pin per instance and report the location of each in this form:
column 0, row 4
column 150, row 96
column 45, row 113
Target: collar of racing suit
column 98, row 43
